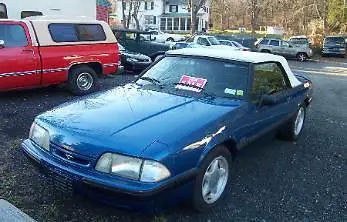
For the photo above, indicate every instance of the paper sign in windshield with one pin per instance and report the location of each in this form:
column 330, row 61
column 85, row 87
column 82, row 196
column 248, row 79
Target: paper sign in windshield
column 188, row 83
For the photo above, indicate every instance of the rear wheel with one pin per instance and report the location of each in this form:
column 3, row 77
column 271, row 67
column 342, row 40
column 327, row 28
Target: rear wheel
column 302, row 57
column 213, row 179
column 82, row 80
column 293, row 129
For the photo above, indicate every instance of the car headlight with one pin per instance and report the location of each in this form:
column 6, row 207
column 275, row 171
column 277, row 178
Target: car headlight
column 40, row 136
column 132, row 60
column 132, row 168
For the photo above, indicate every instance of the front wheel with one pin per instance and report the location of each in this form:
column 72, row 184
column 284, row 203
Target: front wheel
column 294, row 127
column 213, row 179
column 302, row 57
column 82, row 80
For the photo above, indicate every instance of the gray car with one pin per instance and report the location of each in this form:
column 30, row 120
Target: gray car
column 283, row 48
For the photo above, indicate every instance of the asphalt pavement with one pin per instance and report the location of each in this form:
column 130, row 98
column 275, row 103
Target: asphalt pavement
column 272, row 180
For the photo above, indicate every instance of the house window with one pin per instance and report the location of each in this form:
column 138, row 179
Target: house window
column 150, row 20
column 169, row 23
column 182, row 24
column 163, row 24
column 3, row 11
column 173, row 8
column 25, row 14
column 147, row 5
column 176, row 23
column 124, row 5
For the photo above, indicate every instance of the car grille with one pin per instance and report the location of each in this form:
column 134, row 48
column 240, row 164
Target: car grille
column 70, row 156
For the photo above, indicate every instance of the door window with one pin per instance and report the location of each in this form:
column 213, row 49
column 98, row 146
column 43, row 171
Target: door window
column 3, row 11
column 13, row 35
column 285, row 44
column 274, row 43
column 268, row 79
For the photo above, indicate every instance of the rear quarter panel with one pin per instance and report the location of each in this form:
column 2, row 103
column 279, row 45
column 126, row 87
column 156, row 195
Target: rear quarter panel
column 57, row 60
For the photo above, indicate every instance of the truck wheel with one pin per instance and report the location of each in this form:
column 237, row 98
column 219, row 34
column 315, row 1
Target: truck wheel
column 293, row 129
column 302, row 57
column 82, row 80
column 212, row 179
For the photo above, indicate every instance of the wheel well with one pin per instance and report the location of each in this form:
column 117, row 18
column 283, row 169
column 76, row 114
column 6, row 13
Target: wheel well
column 97, row 67
column 231, row 146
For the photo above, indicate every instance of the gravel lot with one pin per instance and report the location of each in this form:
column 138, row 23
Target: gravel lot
column 272, row 180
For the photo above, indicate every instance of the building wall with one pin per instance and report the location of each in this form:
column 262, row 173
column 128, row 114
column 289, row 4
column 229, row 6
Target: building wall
column 103, row 8
column 158, row 10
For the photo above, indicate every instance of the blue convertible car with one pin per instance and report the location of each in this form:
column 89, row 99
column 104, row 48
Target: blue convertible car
column 170, row 135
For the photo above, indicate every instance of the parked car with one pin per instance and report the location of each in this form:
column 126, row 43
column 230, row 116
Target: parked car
column 334, row 46
column 234, row 44
column 182, row 45
column 284, row 48
column 141, row 42
column 170, row 136
column 300, row 41
column 132, row 61
column 208, row 41
column 39, row 52
column 160, row 36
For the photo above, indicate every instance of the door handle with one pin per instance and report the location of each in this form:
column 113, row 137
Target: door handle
column 28, row 50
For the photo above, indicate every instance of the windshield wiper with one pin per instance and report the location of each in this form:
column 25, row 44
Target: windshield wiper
column 150, row 79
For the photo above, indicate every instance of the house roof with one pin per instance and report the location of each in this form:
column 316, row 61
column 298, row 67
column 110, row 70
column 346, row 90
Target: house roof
column 242, row 56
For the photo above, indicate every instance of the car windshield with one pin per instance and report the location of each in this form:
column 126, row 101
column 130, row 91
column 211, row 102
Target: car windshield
column 338, row 41
column 213, row 40
column 220, row 78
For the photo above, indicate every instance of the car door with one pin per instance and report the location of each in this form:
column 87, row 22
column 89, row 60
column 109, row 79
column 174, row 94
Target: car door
column 287, row 49
column 19, row 63
column 269, row 79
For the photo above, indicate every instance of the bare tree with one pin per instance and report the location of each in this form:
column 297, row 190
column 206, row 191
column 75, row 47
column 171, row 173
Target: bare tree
column 195, row 6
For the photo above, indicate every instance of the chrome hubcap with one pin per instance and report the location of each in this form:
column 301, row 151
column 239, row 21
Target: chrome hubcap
column 85, row 81
column 215, row 179
column 301, row 57
column 299, row 122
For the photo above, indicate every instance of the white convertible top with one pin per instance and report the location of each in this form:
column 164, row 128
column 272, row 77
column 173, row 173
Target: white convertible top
column 242, row 56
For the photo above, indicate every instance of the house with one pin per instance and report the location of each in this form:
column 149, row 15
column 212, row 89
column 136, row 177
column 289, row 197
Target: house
column 165, row 15
column 18, row 9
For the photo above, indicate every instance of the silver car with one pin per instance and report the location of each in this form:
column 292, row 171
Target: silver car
column 284, row 48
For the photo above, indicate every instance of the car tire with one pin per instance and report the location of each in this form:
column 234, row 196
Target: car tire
column 293, row 129
column 82, row 80
column 302, row 57
column 170, row 40
column 203, row 197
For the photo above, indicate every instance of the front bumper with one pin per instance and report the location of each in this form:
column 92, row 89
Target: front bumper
column 107, row 188
column 334, row 52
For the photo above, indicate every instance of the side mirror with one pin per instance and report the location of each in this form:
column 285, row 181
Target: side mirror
column 2, row 44
column 268, row 100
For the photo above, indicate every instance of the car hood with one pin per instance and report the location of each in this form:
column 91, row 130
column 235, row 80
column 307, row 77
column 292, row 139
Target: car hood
column 127, row 120
column 135, row 55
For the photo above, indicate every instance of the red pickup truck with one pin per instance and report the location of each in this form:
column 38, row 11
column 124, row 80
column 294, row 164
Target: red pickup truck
column 41, row 52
